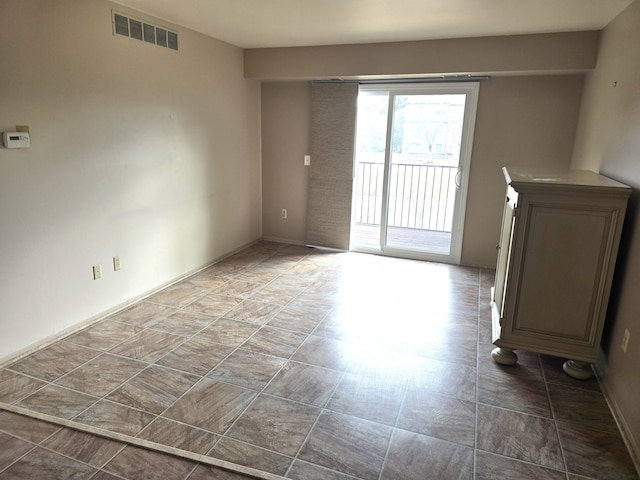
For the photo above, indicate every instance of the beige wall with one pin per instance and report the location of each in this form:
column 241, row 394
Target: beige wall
column 608, row 141
column 521, row 121
column 137, row 151
column 525, row 121
column 285, row 142
column 527, row 113
column 519, row 54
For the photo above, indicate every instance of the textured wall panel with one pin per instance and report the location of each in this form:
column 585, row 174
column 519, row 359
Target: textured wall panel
column 333, row 128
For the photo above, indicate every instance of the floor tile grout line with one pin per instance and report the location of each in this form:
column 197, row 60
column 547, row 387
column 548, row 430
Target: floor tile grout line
column 258, row 393
column 304, row 442
column 102, row 397
column 155, row 362
column 178, row 307
column 252, row 335
column 347, row 476
column 553, row 416
column 147, row 365
column 34, row 447
column 323, row 410
column 106, row 399
column 528, row 462
column 20, row 399
column 477, row 418
column 263, row 390
column 221, row 435
column 139, row 334
column 542, row 417
column 188, row 475
column 147, row 444
column 96, row 468
column 229, row 383
column 96, row 324
column 120, row 450
column 511, row 410
column 217, row 318
column 52, row 384
column 103, row 472
column 194, row 427
column 99, row 353
column 19, row 458
column 244, row 442
column 193, row 386
column 394, row 429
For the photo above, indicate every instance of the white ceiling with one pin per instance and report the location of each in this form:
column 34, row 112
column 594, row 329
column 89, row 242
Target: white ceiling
column 283, row 23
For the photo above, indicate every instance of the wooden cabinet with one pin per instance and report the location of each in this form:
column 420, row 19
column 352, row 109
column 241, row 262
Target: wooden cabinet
column 557, row 252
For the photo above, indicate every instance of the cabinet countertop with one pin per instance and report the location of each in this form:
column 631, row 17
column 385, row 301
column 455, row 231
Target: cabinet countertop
column 517, row 176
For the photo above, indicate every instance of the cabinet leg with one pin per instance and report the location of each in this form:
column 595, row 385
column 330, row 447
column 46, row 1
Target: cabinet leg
column 504, row 356
column 578, row 370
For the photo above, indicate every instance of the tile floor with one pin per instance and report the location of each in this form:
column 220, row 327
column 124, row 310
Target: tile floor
column 307, row 365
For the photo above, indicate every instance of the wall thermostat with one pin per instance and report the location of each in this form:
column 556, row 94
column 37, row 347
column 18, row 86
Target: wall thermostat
column 16, row 139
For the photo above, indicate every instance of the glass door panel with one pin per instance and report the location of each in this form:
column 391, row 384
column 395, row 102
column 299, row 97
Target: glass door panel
column 425, row 154
column 370, row 159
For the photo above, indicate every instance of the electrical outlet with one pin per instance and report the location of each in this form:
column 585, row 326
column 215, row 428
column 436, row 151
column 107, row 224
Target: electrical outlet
column 284, row 213
column 625, row 340
column 97, row 272
column 116, row 263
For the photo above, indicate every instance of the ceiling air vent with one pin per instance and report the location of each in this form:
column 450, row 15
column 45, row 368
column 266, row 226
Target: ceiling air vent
column 143, row 31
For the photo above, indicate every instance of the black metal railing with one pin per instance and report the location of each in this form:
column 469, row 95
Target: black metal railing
column 420, row 196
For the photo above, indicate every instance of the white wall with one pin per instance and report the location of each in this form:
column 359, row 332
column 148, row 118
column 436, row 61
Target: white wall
column 137, row 151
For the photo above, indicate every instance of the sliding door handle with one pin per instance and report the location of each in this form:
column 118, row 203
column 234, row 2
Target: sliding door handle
column 457, row 178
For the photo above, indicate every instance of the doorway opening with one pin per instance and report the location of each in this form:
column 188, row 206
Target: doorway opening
column 413, row 151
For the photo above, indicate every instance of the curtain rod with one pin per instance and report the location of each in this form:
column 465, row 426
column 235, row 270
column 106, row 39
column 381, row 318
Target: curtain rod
column 438, row 79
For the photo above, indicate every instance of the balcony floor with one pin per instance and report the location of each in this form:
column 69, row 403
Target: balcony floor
column 368, row 236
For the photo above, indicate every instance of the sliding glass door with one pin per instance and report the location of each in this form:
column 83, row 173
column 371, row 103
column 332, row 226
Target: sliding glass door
column 413, row 150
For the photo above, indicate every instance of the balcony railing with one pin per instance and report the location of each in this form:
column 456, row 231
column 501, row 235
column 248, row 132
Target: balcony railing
column 420, row 196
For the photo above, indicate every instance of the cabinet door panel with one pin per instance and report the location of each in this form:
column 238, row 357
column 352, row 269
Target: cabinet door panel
column 561, row 273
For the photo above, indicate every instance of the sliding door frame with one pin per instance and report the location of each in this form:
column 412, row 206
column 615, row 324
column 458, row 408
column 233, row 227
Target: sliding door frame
column 471, row 90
